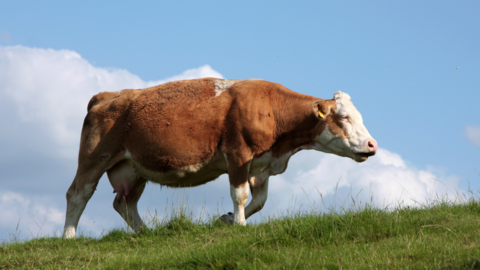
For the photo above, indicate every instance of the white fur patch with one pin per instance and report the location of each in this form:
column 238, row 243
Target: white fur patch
column 222, row 85
column 69, row 232
column 239, row 198
column 358, row 135
column 339, row 95
column 196, row 167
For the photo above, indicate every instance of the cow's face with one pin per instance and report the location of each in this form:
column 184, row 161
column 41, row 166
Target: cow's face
column 340, row 129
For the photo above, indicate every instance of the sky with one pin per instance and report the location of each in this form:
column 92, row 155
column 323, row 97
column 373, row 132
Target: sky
column 412, row 69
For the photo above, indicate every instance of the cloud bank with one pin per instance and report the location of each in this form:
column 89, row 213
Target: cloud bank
column 43, row 98
column 384, row 178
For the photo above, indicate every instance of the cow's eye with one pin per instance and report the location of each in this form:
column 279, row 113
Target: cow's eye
column 345, row 118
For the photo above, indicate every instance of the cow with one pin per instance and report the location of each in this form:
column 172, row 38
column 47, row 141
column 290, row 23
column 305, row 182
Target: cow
column 187, row 133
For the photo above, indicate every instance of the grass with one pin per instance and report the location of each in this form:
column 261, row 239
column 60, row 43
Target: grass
column 442, row 235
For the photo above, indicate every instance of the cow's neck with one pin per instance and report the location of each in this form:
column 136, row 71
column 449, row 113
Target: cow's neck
column 295, row 122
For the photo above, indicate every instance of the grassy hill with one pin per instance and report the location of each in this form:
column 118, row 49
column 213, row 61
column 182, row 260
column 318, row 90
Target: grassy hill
column 439, row 236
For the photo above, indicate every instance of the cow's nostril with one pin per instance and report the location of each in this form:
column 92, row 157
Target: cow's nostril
column 372, row 145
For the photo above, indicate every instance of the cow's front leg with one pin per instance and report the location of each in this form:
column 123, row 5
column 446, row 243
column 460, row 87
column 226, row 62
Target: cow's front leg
column 239, row 196
column 238, row 169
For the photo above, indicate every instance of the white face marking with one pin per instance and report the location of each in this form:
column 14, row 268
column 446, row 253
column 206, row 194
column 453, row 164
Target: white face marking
column 358, row 135
column 222, row 85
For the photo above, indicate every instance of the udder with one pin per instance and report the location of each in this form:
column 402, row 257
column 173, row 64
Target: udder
column 122, row 177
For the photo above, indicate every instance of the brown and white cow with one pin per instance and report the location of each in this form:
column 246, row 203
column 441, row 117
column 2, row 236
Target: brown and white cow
column 187, row 133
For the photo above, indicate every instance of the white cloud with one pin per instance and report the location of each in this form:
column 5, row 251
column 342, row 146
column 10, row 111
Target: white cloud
column 384, row 176
column 33, row 218
column 473, row 134
column 201, row 72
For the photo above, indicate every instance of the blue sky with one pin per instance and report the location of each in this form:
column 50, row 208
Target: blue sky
column 396, row 59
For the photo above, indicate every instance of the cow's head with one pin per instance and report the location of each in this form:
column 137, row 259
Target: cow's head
column 340, row 129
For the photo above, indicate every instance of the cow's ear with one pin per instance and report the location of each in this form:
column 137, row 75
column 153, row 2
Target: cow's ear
column 320, row 109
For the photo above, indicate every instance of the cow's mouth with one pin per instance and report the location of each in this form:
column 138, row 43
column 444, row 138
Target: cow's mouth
column 362, row 156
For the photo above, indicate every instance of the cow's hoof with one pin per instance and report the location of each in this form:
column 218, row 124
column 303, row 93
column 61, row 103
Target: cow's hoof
column 228, row 218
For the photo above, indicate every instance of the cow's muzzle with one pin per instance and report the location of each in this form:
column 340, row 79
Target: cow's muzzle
column 371, row 150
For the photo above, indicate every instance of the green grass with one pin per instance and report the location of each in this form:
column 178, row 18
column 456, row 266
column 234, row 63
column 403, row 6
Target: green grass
column 439, row 236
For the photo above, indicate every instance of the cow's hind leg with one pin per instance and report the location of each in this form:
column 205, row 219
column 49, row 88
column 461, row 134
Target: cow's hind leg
column 129, row 188
column 259, row 197
column 78, row 194
column 91, row 167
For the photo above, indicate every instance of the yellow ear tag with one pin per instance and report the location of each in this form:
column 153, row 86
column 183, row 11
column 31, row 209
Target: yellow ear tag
column 321, row 114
